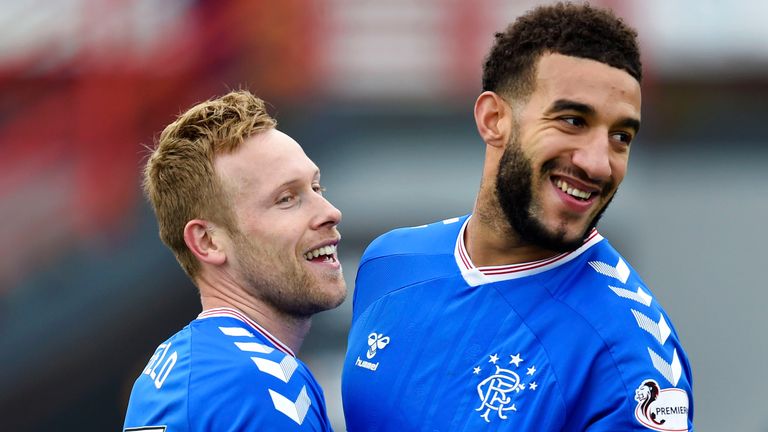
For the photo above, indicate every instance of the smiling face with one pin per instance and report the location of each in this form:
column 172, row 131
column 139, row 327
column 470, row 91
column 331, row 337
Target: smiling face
column 284, row 248
column 569, row 152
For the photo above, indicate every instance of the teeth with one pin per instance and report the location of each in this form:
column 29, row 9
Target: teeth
column 325, row 250
column 570, row 190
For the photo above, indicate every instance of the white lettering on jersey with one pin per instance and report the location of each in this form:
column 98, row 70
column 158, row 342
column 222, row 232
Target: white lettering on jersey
column 156, row 360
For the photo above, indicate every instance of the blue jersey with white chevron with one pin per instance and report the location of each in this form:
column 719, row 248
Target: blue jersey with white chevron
column 575, row 342
column 223, row 372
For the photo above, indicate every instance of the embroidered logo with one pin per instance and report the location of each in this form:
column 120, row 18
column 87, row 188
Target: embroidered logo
column 376, row 342
column 498, row 391
column 661, row 409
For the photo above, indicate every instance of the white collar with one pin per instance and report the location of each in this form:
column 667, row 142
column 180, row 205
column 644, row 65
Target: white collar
column 475, row 276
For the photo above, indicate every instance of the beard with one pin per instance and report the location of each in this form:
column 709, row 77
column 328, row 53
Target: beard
column 283, row 283
column 514, row 192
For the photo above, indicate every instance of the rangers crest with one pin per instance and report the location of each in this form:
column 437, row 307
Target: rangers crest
column 499, row 391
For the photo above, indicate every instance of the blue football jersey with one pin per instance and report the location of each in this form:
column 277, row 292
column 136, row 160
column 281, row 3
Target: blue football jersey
column 223, row 372
column 575, row 342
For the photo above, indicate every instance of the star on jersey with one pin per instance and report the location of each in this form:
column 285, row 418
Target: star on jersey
column 503, row 390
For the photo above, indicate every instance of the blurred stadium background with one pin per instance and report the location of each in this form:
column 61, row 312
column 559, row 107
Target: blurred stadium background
column 380, row 94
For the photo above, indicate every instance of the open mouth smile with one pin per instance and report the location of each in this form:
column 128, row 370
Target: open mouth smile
column 325, row 253
column 572, row 190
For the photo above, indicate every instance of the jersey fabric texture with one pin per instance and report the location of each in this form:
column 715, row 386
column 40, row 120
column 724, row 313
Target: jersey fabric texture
column 223, row 372
column 575, row 342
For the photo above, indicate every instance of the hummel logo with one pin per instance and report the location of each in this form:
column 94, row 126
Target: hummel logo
column 376, row 341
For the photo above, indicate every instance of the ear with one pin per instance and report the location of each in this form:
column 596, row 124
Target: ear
column 492, row 116
column 200, row 237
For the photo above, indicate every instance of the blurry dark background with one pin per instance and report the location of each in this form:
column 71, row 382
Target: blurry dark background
column 380, row 94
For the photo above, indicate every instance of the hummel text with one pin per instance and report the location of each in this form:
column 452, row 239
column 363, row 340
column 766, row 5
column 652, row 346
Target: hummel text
column 366, row 364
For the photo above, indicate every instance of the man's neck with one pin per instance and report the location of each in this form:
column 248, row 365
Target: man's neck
column 287, row 329
column 490, row 241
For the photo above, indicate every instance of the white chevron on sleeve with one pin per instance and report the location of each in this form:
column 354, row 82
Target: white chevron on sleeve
column 620, row 271
column 670, row 371
column 297, row 410
column 282, row 371
column 640, row 296
column 235, row 331
column 660, row 330
column 254, row 347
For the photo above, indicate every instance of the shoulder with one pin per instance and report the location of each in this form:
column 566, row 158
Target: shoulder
column 432, row 238
column 405, row 257
column 245, row 382
column 437, row 237
column 233, row 378
column 160, row 393
column 606, row 294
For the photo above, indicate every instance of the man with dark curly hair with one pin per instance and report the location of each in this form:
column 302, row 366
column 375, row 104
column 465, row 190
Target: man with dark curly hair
column 521, row 316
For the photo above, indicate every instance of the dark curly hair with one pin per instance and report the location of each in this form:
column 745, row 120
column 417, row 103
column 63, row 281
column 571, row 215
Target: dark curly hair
column 577, row 30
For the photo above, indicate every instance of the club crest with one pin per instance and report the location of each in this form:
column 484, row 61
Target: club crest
column 501, row 390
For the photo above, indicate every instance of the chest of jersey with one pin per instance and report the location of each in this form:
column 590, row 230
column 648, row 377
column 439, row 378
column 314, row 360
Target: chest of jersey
column 451, row 359
column 508, row 356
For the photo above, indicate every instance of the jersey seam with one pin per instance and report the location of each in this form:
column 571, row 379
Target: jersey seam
column 610, row 347
column 409, row 254
column 388, row 293
column 383, row 239
column 360, row 269
column 583, row 318
column 536, row 335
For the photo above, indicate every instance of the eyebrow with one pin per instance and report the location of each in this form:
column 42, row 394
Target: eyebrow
column 299, row 179
column 569, row 105
column 589, row 110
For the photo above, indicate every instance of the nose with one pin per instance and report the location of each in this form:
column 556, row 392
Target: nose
column 327, row 216
column 594, row 157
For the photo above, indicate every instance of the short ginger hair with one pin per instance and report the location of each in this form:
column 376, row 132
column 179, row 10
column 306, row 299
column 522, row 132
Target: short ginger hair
column 179, row 177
